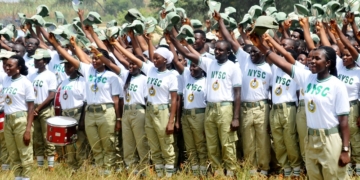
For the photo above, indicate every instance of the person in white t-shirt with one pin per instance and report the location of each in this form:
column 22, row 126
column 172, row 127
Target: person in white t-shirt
column 102, row 117
column 57, row 67
column 159, row 124
column 327, row 109
column 44, row 83
column 19, row 109
column 223, row 102
column 31, row 45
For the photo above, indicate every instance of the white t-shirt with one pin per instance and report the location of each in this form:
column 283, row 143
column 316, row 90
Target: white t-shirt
column 221, row 79
column 283, row 87
column 137, row 90
column 57, row 67
column 194, row 91
column 43, row 83
column 324, row 100
column 17, row 93
column 100, row 86
column 180, row 80
column 2, row 78
column 351, row 79
column 256, row 78
column 208, row 55
column 29, row 62
column 72, row 93
column 159, row 84
column 301, row 91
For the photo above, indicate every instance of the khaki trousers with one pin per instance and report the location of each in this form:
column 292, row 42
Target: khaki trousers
column 255, row 137
column 78, row 152
column 136, row 148
column 322, row 154
column 4, row 155
column 283, row 129
column 354, row 134
column 220, row 140
column 21, row 156
column 100, row 129
column 41, row 146
column 161, row 144
column 194, row 136
column 301, row 127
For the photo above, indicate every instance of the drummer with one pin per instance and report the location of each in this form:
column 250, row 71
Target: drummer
column 44, row 83
column 19, row 109
column 103, row 90
column 72, row 96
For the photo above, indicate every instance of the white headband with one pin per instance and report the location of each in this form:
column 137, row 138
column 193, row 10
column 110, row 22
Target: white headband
column 165, row 53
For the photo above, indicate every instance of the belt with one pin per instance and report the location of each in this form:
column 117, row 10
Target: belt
column 316, row 132
column 282, row 105
column 44, row 108
column 99, row 107
column 134, row 107
column 159, row 106
column 301, row 103
column 15, row 115
column 354, row 102
column 195, row 110
column 223, row 103
column 72, row 112
column 254, row 104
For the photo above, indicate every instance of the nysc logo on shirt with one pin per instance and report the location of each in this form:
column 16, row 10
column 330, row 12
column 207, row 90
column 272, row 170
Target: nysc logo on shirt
column 317, row 89
column 256, row 73
column 133, row 87
column 9, row 90
column 38, row 83
column 346, row 79
column 193, row 87
column 98, row 79
column 59, row 68
column 154, row 81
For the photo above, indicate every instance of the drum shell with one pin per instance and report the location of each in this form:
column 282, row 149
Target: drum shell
column 57, row 105
column 61, row 135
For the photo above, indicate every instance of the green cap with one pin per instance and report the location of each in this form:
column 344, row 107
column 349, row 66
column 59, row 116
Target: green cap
column 306, row 3
column 22, row 16
column 38, row 20
column 280, row 17
column 93, row 18
column 211, row 36
column 190, row 40
column 124, row 29
column 12, row 28
column 41, row 54
column 112, row 32
column 270, row 11
column 150, row 24
column 111, row 23
column 171, row 20
column 137, row 26
column 331, row 8
column 77, row 29
column 196, row 23
column 315, row 38
column 60, row 18
column 50, row 26
column 7, row 34
column 301, row 10
column 5, row 54
column 76, row 19
column 181, row 12
column 42, row 11
column 255, row 11
column 61, row 36
column 170, row 7
column 264, row 4
column 100, row 33
column 317, row 10
column 77, row 4
column 263, row 23
column 83, row 42
column 229, row 10
column 1, row 26
column 133, row 14
column 246, row 20
column 213, row 5
column 185, row 31
column 351, row 5
column 225, row 17
column 232, row 25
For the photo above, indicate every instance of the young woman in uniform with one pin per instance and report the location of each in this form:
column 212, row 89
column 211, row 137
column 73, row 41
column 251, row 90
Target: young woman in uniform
column 327, row 108
column 45, row 83
column 159, row 124
column 19, row 109
column 102, row 117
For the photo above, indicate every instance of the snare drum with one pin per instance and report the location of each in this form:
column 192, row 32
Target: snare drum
column 57, row 105
column 2, row 117
column 61, row 130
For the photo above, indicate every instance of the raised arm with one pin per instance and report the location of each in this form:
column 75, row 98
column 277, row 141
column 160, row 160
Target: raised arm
column 105, row 60
column 136, row 48
column 98, row 42
column 276, row 59
column 120, row 58
column 63, row 52
column 338, row 41
column 79, row 52
column 151, row 47
column 345, row 41
column 126, row 53
column 178, row 66
column 304, row 23
column 225, row 32
column 191, row 56
column 323, row 37
column 280, row 49
column 142, row 43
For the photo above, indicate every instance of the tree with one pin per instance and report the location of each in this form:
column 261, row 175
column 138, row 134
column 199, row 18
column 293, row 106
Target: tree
column 113, row 7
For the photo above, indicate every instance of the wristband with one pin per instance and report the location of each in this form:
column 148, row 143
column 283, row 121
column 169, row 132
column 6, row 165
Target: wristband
column 118, row 119
column 99, row 55
column 268, row 53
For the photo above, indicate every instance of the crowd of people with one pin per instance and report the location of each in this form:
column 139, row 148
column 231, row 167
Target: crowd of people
column 279, row 92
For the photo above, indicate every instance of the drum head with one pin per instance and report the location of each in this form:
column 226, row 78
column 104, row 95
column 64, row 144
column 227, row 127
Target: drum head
column 62, row 121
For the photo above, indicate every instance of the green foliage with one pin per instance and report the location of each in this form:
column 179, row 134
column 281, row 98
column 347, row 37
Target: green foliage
column 113, row 7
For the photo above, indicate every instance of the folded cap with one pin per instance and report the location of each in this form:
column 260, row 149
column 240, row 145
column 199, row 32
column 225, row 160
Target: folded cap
column 137, row 26
column 7, row 34
column 100, row 33
column 232, row 25
column 133, row 14
column 264, row 4
column 77, row 29
column 185, row 31
column 280, row 17
column 331, row 8
column 181, row 12
column 263, row 23
column 225, row 17
column 255, row 11
column 112, row 32
column 356, row 13
column 301, row 10
column 213, row 5
column 93, row 18
column 351, row 5
column 305, row 3
column 111, row 23
column 60, row 18
column 190, row 40
column 171, row 20
column 245, row 20
column 211, row 36
column 38, row 20
column 83, row 42
column 229, row 10
column 5, row 54
column 270, row 11
column 77, row 4
column 1, row 26
column 195, row 23
column 42, row 11
column 317, row 10
column 41, row 54
column 169, row 7
column 50, row 26
column 76, row 19
column 21, row 16
column 61, row 36
column 315, row 38
column 150, row 24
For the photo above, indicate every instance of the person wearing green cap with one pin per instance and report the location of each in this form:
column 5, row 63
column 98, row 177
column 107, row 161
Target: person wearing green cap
column 254, row 105
column 19, row 109
column 44, row 82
